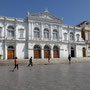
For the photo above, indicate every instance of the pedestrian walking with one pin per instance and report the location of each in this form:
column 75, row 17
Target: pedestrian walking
column 15, row 63
column 30, row 62
column 69, row 58
column 49, row 59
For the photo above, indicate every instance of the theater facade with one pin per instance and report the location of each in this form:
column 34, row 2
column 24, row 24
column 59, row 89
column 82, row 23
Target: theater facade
column 40, row 35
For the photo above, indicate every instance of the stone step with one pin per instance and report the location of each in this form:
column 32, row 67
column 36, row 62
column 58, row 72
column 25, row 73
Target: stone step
column 44, row 61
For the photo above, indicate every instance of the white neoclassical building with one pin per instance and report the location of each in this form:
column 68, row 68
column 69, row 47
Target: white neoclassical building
column 40, row 35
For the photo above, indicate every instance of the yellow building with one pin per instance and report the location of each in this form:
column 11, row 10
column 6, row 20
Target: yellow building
column 86, row 36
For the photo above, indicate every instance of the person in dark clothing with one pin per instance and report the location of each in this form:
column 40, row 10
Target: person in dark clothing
column 15, row 63
column 69, row 58
column 30, row 62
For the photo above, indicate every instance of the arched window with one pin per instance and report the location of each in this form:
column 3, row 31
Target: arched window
column 46, row 33
column 46, row 47
column 0, row 31
column 36, row 33
column 65, row 36
column 10, row 31
column 55, row 34
column 37, row 47
column 71, row 36
column 55, row 48
column 77, row 36
column 10, row 47
column 21, row 33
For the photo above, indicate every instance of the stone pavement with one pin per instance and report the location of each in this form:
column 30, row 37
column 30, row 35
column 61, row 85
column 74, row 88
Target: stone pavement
column 44, row 61
column 75, row 76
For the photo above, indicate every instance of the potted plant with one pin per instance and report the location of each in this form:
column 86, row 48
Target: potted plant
column 0, row 56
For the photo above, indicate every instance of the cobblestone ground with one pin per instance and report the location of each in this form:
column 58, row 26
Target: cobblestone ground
column 75, row 76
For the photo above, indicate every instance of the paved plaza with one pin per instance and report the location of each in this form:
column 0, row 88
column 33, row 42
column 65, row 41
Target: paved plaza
column 75, row 76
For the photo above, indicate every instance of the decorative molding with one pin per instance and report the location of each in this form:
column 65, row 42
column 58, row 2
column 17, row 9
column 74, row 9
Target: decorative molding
column 46, row 17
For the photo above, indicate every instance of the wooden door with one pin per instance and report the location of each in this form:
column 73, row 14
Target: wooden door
column 10, row 54
column 37, row 54
column 56, row 54
column 46, row 53
column 84, row 53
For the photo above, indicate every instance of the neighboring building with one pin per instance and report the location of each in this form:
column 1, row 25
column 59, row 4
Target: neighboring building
column 86, row 35
column 41, row 35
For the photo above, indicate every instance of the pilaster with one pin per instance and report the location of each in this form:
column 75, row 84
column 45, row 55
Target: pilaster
column 51, row 32
column 60, row 33
column 51, row 51
column 42, row 29
column 42, row 53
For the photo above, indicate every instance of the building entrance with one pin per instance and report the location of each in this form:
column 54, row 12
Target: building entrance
column 46, row 51
column 56, row 52
column 84, row 52
column 37, row 51
column 72, row 52
column 10, row 52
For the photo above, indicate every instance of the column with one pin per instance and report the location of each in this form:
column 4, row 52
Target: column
column 5, row 32
column 42, row 29
column 51, row 33
column 29, row 33
column 59, row 53
column 16, row 34
column 16, row 50
column 68, row 36
column 52, row 52
column 74, row 31
column 5, row 52
column 60, row 33
column 42, row 53
column 32, row 28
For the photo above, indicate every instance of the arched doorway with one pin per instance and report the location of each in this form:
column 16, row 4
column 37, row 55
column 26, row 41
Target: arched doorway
column 46, row 51
column 37, row 51
column 56, row 52
column 11, row 52
column 72, row 52
column 84, row 52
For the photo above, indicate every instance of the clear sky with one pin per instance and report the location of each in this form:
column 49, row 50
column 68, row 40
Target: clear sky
column 72, row 11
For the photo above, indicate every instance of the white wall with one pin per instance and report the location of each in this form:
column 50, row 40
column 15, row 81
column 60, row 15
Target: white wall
column 63, row 51
column 21, row 50
column 79, row 51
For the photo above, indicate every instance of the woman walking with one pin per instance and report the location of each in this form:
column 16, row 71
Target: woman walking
column 15, row 63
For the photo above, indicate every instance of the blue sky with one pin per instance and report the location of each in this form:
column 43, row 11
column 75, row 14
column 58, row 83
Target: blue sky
column 72, row 11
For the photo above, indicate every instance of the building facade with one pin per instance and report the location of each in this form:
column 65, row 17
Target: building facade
column 40, row 35
column 85, row 26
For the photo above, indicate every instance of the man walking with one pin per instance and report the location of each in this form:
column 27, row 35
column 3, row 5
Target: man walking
column 69, row 58
column 30, row 62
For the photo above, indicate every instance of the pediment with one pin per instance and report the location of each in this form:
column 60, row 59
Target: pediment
column 47, row 16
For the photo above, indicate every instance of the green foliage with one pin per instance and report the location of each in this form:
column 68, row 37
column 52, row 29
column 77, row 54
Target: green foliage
column 0, row 56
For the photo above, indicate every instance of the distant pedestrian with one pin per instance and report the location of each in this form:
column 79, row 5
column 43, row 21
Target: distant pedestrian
column 49, row 59
column 15, row 63
column 69, row 58
column 30, row 62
